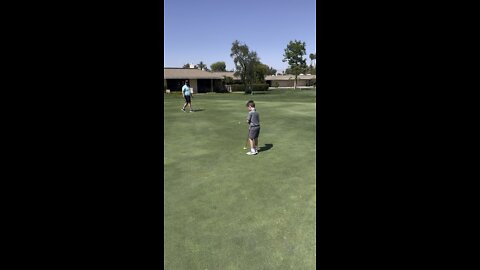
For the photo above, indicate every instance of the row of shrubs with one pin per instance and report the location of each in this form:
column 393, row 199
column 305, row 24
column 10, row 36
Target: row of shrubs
column 254, row 87
column 238, row 88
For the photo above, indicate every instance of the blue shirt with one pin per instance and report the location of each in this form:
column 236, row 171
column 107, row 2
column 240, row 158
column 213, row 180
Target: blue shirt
column 186, row 90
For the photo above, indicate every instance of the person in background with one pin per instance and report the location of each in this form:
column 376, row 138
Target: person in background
column 187, row 95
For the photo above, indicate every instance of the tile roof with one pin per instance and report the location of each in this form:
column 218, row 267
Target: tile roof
column 188, row 73
column 227, row 74
column 290, row 77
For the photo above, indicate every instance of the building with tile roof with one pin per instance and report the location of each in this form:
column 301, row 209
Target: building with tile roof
column 201, row 81
column 289, row 80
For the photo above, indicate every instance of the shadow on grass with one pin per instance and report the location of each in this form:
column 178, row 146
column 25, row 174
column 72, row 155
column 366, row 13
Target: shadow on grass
column 198, row 110
column 266, row 147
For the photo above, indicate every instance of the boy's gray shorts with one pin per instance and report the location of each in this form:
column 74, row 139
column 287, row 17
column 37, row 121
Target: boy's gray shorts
column 253, row 132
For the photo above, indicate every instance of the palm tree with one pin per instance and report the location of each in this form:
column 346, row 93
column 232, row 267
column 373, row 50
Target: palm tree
column 201, row 65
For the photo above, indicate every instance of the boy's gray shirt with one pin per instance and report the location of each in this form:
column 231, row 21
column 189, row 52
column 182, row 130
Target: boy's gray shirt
column 253, row 118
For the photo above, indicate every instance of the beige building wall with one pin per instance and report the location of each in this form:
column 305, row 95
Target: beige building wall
column 284, row 83
column 290, row 83
column 301, row 83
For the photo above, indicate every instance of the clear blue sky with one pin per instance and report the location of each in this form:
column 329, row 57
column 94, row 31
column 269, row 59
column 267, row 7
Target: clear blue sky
column 203, row 30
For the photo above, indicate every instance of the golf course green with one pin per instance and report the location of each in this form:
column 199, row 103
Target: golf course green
column 227, row 210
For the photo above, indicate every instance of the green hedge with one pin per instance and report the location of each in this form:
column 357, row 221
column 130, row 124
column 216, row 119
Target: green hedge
column 255, row 88
column 258, row 88
column 222, row 89
column 238, row 87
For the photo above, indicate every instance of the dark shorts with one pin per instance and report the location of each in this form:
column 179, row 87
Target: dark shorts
column 253, row 132
column 187, row 99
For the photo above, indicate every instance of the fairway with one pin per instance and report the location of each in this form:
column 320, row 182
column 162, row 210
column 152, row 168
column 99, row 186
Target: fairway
column 226, row 210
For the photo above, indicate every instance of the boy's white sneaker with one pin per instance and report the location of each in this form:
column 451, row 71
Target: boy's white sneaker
column 250, row 153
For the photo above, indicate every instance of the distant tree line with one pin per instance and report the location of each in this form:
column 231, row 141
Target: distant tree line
column 252, row 71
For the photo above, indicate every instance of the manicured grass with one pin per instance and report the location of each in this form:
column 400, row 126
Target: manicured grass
column 226, row 210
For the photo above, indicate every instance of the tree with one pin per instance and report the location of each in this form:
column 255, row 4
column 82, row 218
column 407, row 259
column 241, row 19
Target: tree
column 253, row 71
column 271, row 71
column 294, row 56
column 260, row 70
column 312, row 56
column 291, row 72
column 218, row 66
column 187, row 65
column 201, row 65
column 245, row 61
column 228, row 80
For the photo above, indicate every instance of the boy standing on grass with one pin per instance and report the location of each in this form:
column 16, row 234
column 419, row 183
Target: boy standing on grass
column 187, row 96
column 253, row 121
